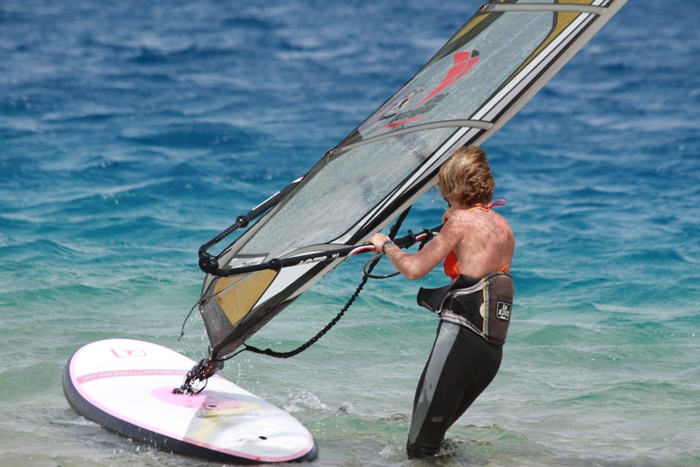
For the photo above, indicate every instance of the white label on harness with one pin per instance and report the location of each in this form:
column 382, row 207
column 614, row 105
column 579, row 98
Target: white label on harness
column 503, row 311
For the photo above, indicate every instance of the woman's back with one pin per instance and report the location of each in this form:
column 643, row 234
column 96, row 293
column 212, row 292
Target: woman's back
column 485, row 241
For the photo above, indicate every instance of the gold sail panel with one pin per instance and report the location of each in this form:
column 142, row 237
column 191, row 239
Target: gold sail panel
column 238, row 294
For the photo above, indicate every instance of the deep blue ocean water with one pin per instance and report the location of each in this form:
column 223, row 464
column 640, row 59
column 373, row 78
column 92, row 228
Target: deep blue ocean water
column 132, row 132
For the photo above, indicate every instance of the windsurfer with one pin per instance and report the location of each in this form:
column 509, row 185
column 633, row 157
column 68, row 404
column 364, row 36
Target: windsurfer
column 474, row 242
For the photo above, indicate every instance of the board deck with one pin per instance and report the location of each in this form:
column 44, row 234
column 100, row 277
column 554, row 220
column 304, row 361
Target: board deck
column 126, row 387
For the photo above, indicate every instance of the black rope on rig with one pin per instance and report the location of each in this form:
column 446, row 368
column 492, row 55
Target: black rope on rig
column 202, row 371
column 429, row 235
column 182, row 329
column 313, row 340
column 207, row 367
column 367, row 275
column 369, row 265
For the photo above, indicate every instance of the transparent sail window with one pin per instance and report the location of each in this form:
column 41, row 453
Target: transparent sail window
column 343, row 192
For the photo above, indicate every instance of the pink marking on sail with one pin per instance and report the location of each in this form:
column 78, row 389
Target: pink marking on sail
column 402, row 122
column 463, row 62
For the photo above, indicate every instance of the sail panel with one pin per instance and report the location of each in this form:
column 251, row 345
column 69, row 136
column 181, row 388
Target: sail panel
column 347, row 186
column 486, row 72
column 235, row 295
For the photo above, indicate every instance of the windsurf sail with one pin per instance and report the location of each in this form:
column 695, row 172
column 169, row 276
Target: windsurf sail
column 477, row 81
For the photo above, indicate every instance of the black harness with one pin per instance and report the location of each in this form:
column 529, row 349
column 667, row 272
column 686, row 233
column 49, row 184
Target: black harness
column 482, row 305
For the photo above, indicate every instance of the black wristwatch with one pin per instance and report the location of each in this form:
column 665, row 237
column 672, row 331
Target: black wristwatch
column 387, row 244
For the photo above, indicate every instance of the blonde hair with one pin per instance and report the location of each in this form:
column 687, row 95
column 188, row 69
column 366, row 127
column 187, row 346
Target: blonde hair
column 466, row 177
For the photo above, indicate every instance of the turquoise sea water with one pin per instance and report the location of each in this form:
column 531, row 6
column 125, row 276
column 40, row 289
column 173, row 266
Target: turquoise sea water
column 132, row 132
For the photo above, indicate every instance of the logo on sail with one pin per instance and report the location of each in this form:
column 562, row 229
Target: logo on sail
column 463, row 62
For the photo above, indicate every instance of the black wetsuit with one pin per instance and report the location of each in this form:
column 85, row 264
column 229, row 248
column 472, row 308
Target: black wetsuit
column 461, row 365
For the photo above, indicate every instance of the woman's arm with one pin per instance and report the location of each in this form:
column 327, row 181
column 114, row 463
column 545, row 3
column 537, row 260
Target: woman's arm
column 415, row 266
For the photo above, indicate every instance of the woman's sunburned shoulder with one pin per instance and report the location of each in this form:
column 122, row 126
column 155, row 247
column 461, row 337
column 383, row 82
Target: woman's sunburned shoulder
column 478, row 220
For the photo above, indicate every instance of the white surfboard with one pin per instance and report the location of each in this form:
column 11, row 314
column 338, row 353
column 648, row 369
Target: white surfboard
column 126, row 387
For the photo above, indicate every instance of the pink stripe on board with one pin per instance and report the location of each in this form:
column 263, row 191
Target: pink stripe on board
column 115, row 374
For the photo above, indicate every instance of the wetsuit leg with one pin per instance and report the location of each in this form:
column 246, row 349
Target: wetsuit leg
column 461, row 365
